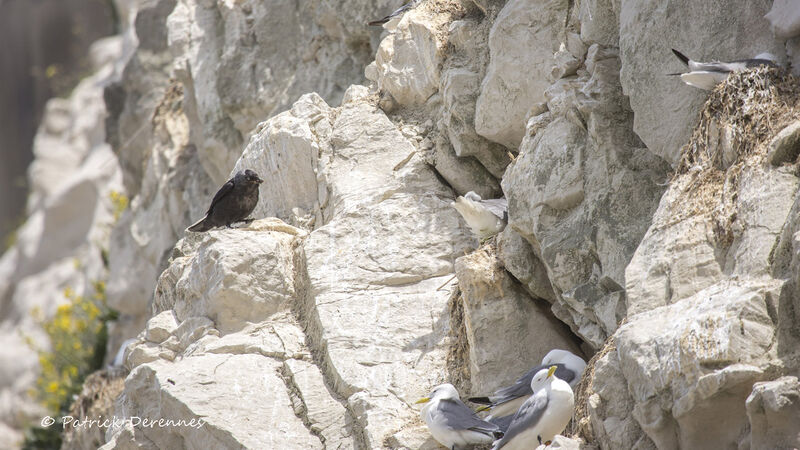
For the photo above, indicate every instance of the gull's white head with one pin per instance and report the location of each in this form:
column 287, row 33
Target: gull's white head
column 543, row 378
column 569, row 359
column 471, row 195
column 442, row 391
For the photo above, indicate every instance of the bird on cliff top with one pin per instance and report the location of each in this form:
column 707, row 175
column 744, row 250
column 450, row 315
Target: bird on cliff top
column 544, row 415
column 506, row 401
column 396, row 14
column 484, row 217
column 232, row 203
column 452, row 423
column 706, row 75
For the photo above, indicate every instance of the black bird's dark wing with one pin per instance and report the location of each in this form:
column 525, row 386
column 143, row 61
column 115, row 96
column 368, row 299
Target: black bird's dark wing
column 457, row 416
column 221, row 193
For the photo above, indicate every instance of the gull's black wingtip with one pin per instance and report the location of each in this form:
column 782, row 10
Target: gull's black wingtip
column 377, row 23
column 480, row 400
column 681, row 56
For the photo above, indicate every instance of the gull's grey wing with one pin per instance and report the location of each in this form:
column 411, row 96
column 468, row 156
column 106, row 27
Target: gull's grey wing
column 724, row 67
column 755, row 62
column 522, row 386
column 502, row 422
column 527, row 417
column 733, row 66
column 497, row 206
column 457, row 416
column 716, row 66
column 221, row 193
column 394, row 14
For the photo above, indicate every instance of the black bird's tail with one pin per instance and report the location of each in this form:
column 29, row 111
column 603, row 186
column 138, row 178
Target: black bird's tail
column 681, row 56
column 200, row 226
column 480, row 400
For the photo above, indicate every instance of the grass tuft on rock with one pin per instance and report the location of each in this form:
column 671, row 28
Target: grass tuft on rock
column 736, row 124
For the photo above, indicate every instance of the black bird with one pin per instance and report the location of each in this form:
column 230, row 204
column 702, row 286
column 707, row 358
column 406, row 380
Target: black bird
column 232, row 203
column 397, row 12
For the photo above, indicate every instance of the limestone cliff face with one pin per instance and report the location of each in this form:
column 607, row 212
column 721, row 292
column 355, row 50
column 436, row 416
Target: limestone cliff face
column 359, row 287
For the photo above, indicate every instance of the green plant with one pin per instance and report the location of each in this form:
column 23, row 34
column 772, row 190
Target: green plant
column 78, row 334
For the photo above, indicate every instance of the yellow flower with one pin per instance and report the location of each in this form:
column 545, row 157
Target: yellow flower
column 62, row 322
column 52, row 387
column 93, row 312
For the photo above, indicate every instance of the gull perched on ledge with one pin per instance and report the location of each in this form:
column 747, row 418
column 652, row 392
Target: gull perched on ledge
column 396, row 14
column 706, row 75
column 484, row 217
column 544, row 415
column 452, row 423
column 506, row 401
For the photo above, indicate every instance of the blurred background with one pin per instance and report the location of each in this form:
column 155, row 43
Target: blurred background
column 44, row 53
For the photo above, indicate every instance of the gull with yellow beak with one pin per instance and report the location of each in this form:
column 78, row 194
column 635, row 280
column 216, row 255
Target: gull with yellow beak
column 545, row 414
column 452, row 423
column 506, row 401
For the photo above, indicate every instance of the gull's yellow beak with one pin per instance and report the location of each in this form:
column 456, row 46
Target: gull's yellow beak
column 423, row 400
column 483, row 408
column 551, row 371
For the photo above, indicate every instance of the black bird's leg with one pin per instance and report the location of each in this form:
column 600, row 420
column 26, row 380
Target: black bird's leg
column 248, row 220
column 228, row 225
column 540, row 439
